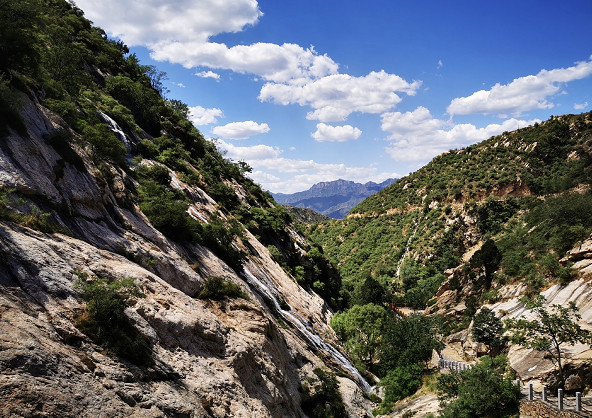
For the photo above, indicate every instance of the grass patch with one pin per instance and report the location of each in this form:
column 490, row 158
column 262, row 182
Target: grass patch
column 104, row 319
column 216, row 288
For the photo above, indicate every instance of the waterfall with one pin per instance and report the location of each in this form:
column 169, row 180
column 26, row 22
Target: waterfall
column 306, row 330
column 117, row 131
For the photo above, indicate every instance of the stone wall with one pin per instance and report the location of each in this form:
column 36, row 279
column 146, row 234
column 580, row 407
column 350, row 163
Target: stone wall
column 539, row 409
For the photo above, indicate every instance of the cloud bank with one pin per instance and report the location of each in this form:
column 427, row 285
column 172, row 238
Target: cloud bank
column 522, row 94
column 241, row 130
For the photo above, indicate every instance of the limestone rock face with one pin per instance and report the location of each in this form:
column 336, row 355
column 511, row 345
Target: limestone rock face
column 211, row 358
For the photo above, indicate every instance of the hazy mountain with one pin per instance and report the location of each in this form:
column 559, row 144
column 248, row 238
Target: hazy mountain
column 332, row 198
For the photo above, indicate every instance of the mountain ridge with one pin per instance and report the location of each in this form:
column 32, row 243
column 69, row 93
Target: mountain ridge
column 332, row 198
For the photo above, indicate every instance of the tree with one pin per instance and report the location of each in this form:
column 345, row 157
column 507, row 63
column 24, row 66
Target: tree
column 399, row 383
column 481, row 391
column 488, row 257
column 553, row 328
column 408, row 340
column 370, row 291
column 488, row 328
column 361, row 328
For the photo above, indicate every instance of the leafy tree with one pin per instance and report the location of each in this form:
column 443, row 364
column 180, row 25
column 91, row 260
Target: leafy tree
column 19, row 36
column 407, row 341
column 553, row 327
column 370, row 291
column 399, row 383
column 488, row 328
column 481, row 391
column 488, row 257
column 361, row 328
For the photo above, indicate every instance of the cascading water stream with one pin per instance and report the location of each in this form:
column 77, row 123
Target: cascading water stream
column 306, row 330
column 117, row 131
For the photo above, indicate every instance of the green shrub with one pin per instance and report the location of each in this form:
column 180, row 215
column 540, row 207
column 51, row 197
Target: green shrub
column 104, row 319
column 167, row 212
column 103, row 143
column 322, row 398
column 399, row 383
column 217, row 288
column 479, row 392
column 488, row 328
column 9, row 110
column 60, row 141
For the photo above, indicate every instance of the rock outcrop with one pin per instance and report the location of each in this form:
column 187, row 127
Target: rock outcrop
column 235, row 357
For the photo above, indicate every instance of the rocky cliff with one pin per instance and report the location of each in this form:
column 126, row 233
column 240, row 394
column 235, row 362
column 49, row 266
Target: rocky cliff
column 241, row 357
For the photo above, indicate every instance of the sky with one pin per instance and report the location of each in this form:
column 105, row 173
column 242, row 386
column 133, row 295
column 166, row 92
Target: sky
column 306, row 91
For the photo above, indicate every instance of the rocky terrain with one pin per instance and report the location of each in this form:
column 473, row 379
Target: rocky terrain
column 234, row 357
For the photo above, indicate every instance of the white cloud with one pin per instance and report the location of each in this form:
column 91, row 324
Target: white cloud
column 208, row 74
column 278, row 63
column 286, row 175
column 180, row 32
column 440, row 64
column 522, row 94
column 417, row 136
column 249, row 154
column 180, row 85
column 335, row 133
column 201, row 116
column 336, row 96
column 241, row 130
column 417, row 123
column 580, row 106
column 148, row 23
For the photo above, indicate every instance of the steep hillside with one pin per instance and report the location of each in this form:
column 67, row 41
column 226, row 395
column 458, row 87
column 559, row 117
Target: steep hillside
column 305, row 215
column 494, row 224
column 141, row 273
column 332, row 198
column 464, row 197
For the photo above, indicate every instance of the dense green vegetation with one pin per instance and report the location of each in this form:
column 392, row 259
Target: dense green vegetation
column 524, row 194
column 519, row 201
column 50, row 52
column 482, row 391
column 217, row 288
column 104, row 319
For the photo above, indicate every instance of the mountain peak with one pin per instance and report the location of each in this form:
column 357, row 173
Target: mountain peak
column 332, row 198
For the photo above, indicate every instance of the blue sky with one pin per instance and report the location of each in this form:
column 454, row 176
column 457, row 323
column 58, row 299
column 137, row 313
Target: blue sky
column 307, row 91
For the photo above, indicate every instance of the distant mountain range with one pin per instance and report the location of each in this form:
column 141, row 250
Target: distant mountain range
column 332, row 198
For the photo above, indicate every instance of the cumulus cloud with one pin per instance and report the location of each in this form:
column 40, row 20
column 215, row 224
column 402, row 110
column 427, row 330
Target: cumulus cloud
column 580, row 106
column 208, row 74
column 272, row 62
column 287, row 175
column 241, row 130
column 180, row 32
column 330, row 133
column 149, row 23
column 201, row 116
column 335, row 97
column 417, row 136
column 249, row 154
column 522, row 94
